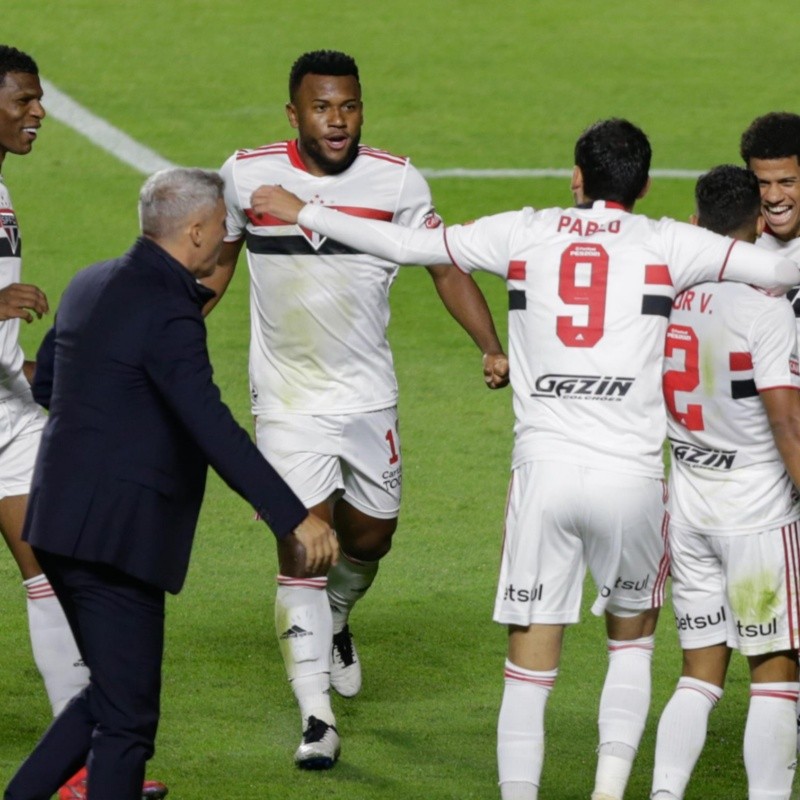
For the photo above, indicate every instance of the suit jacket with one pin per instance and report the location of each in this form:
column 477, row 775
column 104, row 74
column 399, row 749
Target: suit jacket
column 135, row 420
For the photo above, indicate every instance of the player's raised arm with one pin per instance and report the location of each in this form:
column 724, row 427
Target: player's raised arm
column 383, row 239
column 770, row 271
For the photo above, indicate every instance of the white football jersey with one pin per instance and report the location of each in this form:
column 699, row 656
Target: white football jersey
column 590, row 293
column 12, row 379
column 319, row 309
column 727, row 342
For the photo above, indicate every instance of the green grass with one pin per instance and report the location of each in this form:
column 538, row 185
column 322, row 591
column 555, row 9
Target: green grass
column 453, row 83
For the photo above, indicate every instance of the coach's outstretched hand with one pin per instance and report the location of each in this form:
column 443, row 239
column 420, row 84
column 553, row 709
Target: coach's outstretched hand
column 18, row 300
column 495, row 370
column 320, row 544
column 275, row 201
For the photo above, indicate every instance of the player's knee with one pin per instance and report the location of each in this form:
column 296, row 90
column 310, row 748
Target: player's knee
column 365, row 538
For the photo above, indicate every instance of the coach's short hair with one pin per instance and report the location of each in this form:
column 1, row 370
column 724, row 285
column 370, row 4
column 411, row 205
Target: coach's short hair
column 775, row 135
column 13, row 60
column 728, row 200
column 321, row 62
column 169, row 196
column 614, row 157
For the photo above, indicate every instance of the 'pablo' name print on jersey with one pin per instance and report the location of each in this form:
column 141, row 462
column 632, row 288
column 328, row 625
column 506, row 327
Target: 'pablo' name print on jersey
column 587, row 227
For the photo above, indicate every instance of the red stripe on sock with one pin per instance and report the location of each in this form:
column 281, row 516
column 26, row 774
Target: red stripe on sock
column 309, row 583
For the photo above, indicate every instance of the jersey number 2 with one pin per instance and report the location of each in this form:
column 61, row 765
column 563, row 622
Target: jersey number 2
column 682, row 337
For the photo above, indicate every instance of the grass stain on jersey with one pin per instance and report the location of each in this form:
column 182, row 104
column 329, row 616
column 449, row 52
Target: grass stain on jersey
column 707, row 371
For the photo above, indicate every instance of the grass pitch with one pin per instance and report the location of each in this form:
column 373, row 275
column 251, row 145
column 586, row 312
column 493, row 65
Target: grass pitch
column 453, row 83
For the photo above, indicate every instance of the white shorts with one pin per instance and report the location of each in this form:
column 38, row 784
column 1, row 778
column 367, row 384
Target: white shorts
column 737, row 590
column 21, row 424
column 356, row 456
column 562, row 518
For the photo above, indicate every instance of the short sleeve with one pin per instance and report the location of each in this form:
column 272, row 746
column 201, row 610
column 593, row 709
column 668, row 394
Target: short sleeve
column 236, row 220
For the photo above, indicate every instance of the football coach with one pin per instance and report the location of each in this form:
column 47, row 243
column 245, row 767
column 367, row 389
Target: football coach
column 135, row 421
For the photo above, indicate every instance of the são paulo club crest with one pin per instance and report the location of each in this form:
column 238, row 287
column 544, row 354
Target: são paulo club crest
column 8, row 223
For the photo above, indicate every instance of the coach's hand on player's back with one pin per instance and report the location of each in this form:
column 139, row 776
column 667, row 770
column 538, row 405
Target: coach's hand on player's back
column 320, row 544
column 277, row 202
column 18, row 300
column 495, row 370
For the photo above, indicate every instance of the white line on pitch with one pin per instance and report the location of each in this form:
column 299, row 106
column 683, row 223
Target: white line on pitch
column 144, row 160
column 101, row 133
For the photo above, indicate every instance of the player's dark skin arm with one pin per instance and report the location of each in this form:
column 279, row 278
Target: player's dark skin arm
column 783, row 411
column 467, row 305
column 223, row 274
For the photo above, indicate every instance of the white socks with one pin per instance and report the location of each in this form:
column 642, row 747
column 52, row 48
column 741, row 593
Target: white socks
column 348, row 581
column 520, row 731
column 305, row 630
column 624, row 704
column 681, row 735
column 54, row 649
column 770, row 740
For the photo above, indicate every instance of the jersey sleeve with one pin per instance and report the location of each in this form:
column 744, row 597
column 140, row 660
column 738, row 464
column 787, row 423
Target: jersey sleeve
column 415, row 206
column 773, row 345
column 386, row 240
column 483, row 245
column 235, row 220
column 696, row 255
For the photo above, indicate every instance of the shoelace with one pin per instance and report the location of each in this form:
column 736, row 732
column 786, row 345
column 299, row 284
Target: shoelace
column 343, row 642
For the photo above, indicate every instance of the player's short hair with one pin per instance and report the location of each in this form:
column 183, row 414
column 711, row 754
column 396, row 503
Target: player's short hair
column 169, row 196
column 13, row 60
column 728, row 200
column 614, row 157
column 321, row 62
column 775, row 135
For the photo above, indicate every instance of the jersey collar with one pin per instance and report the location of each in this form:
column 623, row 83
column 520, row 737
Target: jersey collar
column 294, row 156
column 603, row 204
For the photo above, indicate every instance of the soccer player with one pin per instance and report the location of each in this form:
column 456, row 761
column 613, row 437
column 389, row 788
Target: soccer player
column 324, row 392
column 770, row 148
column 54, row 649
column 590, row 292
column 734, row 511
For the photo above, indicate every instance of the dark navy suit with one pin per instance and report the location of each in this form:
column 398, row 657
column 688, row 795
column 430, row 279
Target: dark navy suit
column 135, row 420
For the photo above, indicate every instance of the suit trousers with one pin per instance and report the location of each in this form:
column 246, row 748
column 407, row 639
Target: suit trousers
column 118, row 624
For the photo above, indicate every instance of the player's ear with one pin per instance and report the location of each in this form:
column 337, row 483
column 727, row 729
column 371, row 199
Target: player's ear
column 760, row 225
column 694, row 219
column 577, row 180
column 644, row 191
column 291, row 113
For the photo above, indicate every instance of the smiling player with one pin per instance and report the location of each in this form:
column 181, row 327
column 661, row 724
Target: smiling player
column 734, row 511
column 770, row 148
